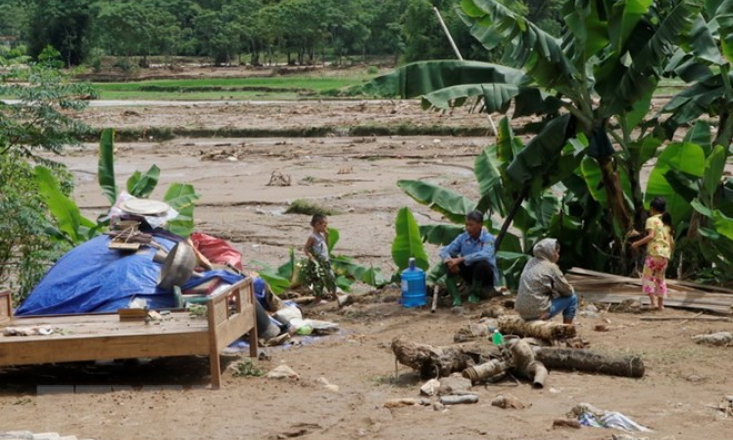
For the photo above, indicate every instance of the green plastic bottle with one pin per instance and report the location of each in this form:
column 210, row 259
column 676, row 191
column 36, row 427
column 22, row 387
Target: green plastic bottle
column 497, row 338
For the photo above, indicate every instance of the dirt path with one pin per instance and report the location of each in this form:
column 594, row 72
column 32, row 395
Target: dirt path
column 357, row 177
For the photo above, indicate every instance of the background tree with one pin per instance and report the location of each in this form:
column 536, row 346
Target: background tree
column 41, row 121
column 63, row 24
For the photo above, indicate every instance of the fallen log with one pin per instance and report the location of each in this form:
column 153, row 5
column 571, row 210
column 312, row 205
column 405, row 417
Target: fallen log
column 515, row 325
column 431, row 361
column 526, row 363
column 479, row 373
column 520, row 358
column 590, row 362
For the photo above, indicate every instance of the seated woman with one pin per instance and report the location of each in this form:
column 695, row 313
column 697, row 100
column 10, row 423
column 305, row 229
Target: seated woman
column 543, row 290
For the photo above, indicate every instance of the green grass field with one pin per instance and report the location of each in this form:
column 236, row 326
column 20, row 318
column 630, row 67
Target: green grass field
column 282, row 87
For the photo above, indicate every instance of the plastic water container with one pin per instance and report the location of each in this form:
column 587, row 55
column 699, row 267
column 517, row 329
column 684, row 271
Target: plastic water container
column 413, row 286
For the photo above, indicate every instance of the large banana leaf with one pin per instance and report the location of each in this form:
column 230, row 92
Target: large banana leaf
column 621, row 83
column 537, row 51
column 723, row 224
column 702, row 43
column 408, row 242
column 142, row 185
column 368, row 275
column 71, row 223
column 714, row 168
column 591, row 171
column 626, row 15
column 496, row 97
column 106, row 167
column 700, row 135
column 453, row 205
column 486, row 169
column 507, row 145
column 683, row 157
column 588, row 31
column 694, row 101
column 440, row 235
column 333, row 238
column 541, row 153
column 425, row 77
column 277, row 283
column 724, row 17
column 181, row 197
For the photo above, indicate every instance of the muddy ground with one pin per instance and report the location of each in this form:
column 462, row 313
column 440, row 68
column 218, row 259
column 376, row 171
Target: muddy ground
column 356, row 176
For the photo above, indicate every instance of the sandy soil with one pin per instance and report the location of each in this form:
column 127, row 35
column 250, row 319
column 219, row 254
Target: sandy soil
column 280, row 114
column 355, row 176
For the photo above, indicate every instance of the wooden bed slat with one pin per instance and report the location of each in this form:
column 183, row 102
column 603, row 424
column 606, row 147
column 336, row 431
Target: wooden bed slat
column 103, row 336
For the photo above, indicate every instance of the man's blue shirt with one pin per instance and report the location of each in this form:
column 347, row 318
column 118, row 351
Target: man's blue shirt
column 473, row 250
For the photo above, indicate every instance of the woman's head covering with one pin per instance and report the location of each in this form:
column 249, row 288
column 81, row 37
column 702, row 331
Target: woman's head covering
column 545, row 249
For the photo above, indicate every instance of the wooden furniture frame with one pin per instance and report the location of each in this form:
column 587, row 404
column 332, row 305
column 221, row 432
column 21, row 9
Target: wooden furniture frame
column 230, row 314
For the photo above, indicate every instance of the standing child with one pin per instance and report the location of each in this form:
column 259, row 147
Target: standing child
column 318, row 271
column 661, row 241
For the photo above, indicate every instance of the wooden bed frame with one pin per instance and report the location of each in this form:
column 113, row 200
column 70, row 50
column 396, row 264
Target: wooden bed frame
column 230, row 314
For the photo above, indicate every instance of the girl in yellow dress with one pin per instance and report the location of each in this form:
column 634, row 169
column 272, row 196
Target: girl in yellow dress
column 661, row 242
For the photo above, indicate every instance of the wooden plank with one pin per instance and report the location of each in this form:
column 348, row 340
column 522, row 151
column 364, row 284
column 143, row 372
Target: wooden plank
column 685, row 303
column 24, row 351
column 686, row 318
column 234, row 328
column 112, row 327
column 598, row 276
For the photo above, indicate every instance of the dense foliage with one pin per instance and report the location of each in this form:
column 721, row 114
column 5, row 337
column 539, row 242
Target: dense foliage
column 579, row 179
column 40, row 121
column 300, row 31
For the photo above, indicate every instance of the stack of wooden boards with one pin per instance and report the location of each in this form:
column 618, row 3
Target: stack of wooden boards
column 599, row 287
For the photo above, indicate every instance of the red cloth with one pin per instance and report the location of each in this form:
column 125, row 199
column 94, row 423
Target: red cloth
column 218, row 251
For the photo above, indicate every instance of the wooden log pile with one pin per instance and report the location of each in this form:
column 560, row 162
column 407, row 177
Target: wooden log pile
column 518, row 357
column 599, row 287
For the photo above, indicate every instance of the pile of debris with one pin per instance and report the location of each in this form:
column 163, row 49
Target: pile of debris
column 599, row 287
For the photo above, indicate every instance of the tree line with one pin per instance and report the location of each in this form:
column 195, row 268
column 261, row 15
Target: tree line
column 249, row 31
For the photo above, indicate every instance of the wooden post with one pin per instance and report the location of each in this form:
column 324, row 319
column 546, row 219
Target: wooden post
column 435, row 299
column 253, row 337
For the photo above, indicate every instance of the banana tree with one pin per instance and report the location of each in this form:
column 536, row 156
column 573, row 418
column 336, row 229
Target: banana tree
column 600, row 75
column 690, row 174
column 501, row 171
column 705, row 67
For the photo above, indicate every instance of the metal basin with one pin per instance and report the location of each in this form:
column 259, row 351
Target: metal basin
column 178, row 266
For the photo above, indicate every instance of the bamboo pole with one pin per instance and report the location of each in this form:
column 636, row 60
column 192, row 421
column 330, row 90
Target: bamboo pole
column 460, row 57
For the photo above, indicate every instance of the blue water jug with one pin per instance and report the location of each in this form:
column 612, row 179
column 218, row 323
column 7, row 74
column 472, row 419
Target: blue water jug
column 413, row 286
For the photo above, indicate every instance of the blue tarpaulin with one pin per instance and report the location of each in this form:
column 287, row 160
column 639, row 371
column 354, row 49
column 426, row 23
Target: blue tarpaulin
column 91, row 278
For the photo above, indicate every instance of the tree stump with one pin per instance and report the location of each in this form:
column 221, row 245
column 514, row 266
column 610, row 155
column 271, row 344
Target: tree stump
column 515, row 325
column 430, row 361
column 589, row 361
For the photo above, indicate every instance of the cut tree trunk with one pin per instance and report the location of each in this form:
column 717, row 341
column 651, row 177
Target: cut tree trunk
column 480, row 373
column 431, row 361
column 526, row 364
column 589, row 361
column 515, row 325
